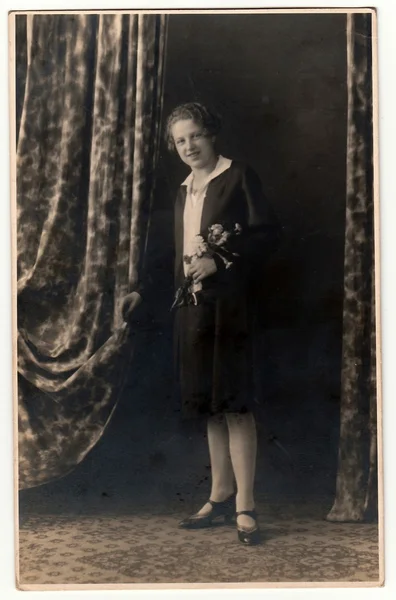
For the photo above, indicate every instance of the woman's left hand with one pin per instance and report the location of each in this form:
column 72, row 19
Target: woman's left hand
column 130, row 304
column 202, row 268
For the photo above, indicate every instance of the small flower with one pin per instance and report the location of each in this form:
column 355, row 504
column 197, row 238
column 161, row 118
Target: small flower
column 214, row 238
column 217, row 229
column 224, row 238
column 187, row 259
column 202, row 247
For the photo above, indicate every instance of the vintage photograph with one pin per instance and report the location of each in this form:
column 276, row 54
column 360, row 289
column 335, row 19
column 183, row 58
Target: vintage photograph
column 197, row 350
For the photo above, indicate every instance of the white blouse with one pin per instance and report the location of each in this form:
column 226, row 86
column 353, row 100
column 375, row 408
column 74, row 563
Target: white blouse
column 193, row 212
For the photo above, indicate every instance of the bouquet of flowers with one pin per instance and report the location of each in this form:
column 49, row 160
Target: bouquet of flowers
column 215, row 243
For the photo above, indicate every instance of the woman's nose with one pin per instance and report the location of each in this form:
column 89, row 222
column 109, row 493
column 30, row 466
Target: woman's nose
column 190, row 145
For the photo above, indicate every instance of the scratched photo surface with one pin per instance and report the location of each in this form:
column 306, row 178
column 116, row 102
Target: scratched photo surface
column 196, row 318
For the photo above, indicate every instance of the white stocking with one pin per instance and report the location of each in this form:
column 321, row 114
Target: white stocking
column 243, row 450
column 221, row 466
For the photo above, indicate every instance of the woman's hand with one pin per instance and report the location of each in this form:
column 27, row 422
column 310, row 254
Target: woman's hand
column 202, row 268
column 129, row 303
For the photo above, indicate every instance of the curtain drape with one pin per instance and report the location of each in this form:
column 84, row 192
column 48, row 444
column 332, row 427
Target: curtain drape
column 356, row 488
column 87, row 145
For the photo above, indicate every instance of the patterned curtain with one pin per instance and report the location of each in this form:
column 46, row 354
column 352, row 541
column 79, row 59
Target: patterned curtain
column 87, row 144
column 356, row 491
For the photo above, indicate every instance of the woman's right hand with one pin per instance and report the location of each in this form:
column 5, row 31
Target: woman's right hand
column 129, row 304
column 202, row 268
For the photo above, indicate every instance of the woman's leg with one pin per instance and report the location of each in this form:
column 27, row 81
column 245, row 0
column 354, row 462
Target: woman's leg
column 243, row 450
column 219, row 451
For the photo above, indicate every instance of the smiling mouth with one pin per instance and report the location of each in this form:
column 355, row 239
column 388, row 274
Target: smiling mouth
column 193, row 155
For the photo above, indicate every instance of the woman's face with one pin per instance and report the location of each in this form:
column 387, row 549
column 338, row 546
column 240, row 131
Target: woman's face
column 194, row 147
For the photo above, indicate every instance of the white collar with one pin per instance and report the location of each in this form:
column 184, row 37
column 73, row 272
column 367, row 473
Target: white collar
column 222, row 165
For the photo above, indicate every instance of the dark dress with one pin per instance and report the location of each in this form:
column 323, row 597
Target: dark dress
column 213, row 341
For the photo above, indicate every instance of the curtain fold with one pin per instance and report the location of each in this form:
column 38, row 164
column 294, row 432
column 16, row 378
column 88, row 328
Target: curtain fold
column 356, row 488
column 86, row 158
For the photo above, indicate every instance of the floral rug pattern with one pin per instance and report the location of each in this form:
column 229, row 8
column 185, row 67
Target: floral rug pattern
column 149, row 548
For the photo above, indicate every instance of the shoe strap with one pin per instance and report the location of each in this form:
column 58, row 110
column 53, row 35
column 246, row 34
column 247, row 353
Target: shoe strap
column 249, row 513
column 226, row 501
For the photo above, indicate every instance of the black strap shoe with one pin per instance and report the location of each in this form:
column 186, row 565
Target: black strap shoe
column 225, row 509
column 249, row 537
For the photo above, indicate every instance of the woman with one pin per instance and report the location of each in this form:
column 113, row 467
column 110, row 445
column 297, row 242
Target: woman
column 213, row 316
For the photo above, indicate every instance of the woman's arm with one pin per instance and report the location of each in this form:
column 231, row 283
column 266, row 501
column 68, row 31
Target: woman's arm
column 263, row 232
column 140, row 294
column 154, row 276
column 260, row 234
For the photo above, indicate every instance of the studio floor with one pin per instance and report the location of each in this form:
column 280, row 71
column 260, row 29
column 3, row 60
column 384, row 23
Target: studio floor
column 147, row 547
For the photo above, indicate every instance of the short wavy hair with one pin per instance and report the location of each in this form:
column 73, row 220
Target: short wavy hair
column 208, row 119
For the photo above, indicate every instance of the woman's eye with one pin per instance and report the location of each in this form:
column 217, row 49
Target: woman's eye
column 198, row 135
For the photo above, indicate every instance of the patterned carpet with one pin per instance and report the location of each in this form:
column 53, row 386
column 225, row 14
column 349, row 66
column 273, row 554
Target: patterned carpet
column 299, row 545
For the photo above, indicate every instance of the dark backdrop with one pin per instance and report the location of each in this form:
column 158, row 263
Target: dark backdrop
column 279, row 82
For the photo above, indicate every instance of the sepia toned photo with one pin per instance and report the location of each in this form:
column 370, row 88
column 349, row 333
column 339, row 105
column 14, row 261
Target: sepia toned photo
column 196, row 313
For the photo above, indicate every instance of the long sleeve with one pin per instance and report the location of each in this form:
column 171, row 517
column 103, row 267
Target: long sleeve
column 261, row 231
